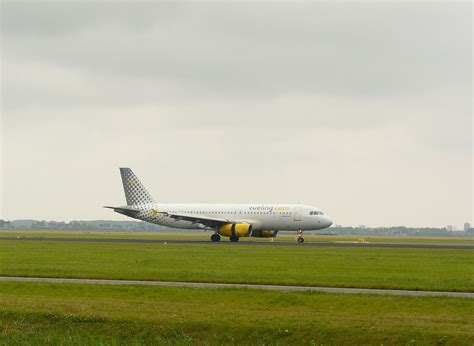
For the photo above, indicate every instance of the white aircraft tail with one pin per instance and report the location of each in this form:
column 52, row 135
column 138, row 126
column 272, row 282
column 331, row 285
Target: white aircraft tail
column 135, row 192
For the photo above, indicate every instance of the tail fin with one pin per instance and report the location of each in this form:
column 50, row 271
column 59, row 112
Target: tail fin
column 135, row 192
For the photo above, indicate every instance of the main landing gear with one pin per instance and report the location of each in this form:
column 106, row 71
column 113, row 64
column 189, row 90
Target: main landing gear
column 300, row 238
column 216, row 237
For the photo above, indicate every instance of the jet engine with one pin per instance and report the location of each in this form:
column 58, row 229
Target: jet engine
column 235, row 230
column 264, row 233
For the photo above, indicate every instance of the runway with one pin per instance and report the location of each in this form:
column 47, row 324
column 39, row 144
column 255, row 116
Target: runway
column 246, row 243
column 227, row 285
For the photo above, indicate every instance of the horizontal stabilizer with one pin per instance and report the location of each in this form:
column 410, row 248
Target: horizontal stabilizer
column 124, row 210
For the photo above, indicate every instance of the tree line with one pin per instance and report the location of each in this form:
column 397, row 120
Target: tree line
column 140, row 226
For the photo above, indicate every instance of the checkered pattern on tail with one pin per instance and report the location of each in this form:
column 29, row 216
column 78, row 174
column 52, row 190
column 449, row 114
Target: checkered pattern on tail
column 135, row 192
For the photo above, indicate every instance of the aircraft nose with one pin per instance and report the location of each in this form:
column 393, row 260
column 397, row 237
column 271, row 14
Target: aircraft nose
column 328, row 221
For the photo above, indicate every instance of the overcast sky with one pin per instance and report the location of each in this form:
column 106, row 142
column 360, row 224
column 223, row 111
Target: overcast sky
column 361, row 109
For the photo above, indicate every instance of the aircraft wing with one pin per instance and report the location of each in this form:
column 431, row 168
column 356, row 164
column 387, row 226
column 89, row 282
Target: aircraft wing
column 198, row 219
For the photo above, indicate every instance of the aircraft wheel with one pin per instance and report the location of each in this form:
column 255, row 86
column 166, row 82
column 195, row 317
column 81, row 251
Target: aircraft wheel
column 300, row 240
column 234, row 238
column 215, row 237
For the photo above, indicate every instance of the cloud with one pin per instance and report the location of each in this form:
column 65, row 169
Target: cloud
column 250, row 50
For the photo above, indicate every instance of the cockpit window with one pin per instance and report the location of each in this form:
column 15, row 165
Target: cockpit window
column 315, row 212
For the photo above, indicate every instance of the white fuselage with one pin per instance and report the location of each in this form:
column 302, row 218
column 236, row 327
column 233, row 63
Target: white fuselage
column 278, row 217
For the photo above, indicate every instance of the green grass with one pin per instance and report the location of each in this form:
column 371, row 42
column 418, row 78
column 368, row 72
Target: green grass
column 34, row 313
column 41, row 313
column 418, row 269
column 183, row 235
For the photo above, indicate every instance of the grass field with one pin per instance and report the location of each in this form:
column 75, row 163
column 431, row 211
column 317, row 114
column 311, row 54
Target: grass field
column 206, row 235
column 33, row 313
column 40, row 313
column 418, row 269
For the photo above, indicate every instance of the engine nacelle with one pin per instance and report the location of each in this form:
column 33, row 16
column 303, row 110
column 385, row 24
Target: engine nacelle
column 264, row 234
column 235, row 229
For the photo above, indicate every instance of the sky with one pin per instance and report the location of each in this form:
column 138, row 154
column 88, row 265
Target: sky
column 362, row 109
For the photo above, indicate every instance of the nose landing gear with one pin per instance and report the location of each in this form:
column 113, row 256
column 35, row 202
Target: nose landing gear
column 215, row 237
column 300, row 238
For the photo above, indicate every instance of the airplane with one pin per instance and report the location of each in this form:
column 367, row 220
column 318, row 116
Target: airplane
column 230, row 220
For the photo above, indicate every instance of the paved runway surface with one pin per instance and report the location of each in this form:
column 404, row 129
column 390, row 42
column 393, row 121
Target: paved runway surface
column 244, row 243
column 221, row 285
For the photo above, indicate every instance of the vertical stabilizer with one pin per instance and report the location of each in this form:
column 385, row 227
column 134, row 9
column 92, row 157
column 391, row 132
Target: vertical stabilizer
column 135, row 192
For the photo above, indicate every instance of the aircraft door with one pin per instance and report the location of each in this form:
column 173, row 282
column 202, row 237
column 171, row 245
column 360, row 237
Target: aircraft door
column 297, row 214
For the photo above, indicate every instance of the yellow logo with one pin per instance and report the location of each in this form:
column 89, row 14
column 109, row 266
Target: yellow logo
column 154, row 212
